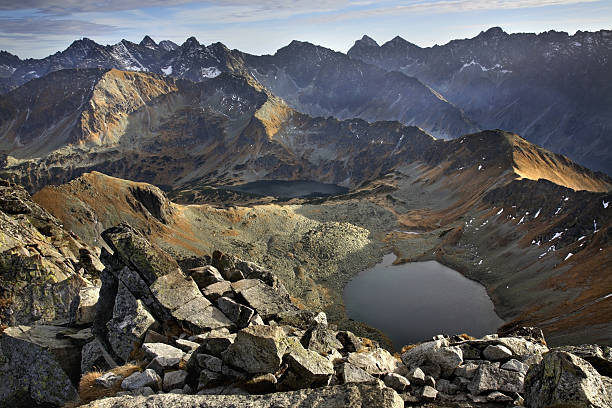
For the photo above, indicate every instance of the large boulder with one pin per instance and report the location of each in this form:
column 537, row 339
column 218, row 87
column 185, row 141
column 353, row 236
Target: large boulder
column 306, row 368
column 267, row 301
column 599, row 357
column 257, row 349
column 490, row 377
column 83, row 306
column 563, row 380
column 349, row 395
column 136, row 251
column 95, row 357
column 36, row 367
column 130, row 322
column 421, row 353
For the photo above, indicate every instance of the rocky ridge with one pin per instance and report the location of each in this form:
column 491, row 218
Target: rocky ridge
column 552, row 88
column 226, row 333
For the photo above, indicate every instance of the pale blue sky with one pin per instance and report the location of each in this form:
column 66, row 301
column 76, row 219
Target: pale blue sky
column 37, row 28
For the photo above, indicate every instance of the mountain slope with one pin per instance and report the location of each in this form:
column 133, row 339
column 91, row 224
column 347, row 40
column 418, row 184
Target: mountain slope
column 469, row 208
column 552, row 88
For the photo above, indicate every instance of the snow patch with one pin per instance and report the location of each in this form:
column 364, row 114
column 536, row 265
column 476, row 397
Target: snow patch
column 605, row 204
column 210, row 72
column 480, row 167
column 167, row 70
column 538, row 213
column 557, row 235
column 500, row 211
column 568, row 256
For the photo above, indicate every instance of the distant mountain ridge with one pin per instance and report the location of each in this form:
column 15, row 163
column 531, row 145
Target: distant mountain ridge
column 552, row 88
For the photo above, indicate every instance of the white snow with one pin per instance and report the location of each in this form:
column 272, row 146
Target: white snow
column 500, row 211
column 566, row 199
column 480, row 167
column 167, row 70
column 557, row 235
column 605, row 203
column 480, row 263
column 581, row 238
column 210, row 72
column 538, row 213
column 568, row 256
column 595, row 226
column 558, row 211
column 522, row 219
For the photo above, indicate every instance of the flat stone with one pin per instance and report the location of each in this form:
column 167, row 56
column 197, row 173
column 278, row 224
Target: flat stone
column 396, row 381
column 374, row 362
column 350, row 373
column 421, row 353
column 491, row 378
column 497, row 396
column 497, row 352
column 209, row 362
column 448, row 358
column 428, row 393
column 266, row 301
column 174, row 379
column 349, row 395
column 301, row 319
column 186, row 345
column 467, row 370
column 199, row 316
column 217, row 290
column 416, row 376
column 154, row 350
column 216, row 343
column 174, row 290
column 146, row 378
column 237, row 313
column 306, row 369
column 205, row 276
column 160, row 364
column 83, row 306
column 257, row 349
column 95, row 357
column 515, row 365
column 321, row 340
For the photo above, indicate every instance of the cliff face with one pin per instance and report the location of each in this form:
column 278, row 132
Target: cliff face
column 42, row 266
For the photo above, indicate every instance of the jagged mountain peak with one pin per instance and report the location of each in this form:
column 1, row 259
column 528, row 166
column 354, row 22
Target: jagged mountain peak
column 148, row 42
column 191, row 42
column 82, row 44
column 168, row 45
column 367, row 41
column 493, row 32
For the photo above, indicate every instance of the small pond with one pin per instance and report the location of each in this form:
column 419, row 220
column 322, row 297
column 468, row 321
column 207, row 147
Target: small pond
column 415, row 301
column 288, row 189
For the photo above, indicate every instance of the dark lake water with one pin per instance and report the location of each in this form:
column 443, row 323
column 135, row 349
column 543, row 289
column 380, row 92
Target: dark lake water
column 289, row 189
column 415, row 301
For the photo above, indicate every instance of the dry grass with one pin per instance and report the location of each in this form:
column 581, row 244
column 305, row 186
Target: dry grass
column 89, row 391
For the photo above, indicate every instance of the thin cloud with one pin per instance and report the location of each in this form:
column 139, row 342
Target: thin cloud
column 34, row 26
column 446, row 6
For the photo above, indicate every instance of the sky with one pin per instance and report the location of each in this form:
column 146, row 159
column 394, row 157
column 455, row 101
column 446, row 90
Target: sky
column 37, row 28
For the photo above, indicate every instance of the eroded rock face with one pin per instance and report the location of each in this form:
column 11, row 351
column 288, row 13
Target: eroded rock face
column 40, row 263
column 565, row 380
column 257, row 349
column 36, row 367
column 350, row 395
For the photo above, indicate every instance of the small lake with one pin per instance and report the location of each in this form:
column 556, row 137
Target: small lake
column 288, row 189
column 415, row 301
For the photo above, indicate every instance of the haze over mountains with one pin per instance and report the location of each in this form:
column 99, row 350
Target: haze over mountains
column 552, row 88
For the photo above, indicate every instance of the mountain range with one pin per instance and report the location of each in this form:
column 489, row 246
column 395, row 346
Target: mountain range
column 551, row 88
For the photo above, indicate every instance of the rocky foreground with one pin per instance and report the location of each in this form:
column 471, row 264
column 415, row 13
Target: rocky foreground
column 217, row 332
